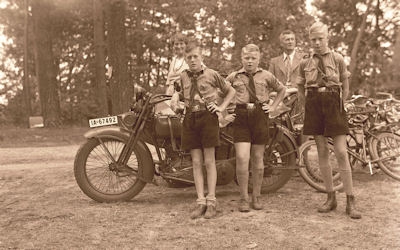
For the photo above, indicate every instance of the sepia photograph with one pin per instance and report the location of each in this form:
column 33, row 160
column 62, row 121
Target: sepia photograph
column 199, row 124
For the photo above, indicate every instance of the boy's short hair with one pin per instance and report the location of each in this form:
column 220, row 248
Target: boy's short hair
column 250, row 48
column 286, row 32
column 191, row 46
column 179, row 38
column 318, row 28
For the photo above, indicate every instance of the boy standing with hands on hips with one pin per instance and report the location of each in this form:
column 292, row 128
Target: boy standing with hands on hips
column 200, row 128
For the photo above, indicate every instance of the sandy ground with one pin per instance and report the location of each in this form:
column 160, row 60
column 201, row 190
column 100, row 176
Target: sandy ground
column 42, row 207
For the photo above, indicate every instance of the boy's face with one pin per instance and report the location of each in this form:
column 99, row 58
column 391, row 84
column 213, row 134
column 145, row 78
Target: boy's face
column 194, row 59
column 179, row 48
column 288, row 42
column 250, row 61
column 319, row 42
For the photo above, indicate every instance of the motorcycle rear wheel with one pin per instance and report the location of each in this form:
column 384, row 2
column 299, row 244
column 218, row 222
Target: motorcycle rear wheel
column 99, row 178
column 283, row 155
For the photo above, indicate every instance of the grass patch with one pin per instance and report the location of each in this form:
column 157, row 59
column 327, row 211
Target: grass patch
column 28, row 137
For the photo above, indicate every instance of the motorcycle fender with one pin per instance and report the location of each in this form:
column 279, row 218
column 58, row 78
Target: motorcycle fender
column 286, row 132
column 146, row 172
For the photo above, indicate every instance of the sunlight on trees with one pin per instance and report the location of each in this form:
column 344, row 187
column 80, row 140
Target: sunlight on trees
column 141, row 51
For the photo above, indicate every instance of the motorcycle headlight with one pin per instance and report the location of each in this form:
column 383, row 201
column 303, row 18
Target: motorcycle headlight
column 128, row 119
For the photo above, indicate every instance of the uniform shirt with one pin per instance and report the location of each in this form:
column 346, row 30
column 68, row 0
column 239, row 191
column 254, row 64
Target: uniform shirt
column 210, row 84
column 335, row 68
column 264, row 83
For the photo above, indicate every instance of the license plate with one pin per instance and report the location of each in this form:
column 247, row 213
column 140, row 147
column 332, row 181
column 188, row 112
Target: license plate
column 104, row 121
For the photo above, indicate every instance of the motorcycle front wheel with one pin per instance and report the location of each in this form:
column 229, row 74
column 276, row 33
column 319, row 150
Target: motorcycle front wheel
column 283, row 155
column 100, row 177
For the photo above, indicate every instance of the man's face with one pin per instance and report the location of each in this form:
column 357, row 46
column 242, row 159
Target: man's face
column 319, row 42
column 250, row 61
column 194, row 59
column 179, row 48
column 288, row 42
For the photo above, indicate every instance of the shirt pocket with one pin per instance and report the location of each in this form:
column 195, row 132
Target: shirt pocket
column 260, row 89
column 239, row 86
column 333, row 76
column 311, row 73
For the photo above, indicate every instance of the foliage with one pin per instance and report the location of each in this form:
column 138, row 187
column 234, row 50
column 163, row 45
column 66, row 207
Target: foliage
column 222, row 26
column 374, row 57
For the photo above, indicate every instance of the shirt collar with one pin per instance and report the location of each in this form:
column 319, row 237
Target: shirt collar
column 326, row 52
column 291, row 55
column 242, row 71
column 195, row 74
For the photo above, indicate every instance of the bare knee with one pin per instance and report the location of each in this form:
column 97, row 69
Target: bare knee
column 209, row 164
column 197, row 164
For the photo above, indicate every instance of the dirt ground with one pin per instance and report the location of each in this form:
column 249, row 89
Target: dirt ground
column 42, row 207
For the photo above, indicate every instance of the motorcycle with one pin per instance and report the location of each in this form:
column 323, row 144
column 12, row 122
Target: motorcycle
column 125, row 152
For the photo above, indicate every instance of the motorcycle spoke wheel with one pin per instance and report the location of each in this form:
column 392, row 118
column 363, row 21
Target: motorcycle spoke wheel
column 100, row 177
column 104, row 175
column 386, row 146
column 282, row 155
column 310, row 167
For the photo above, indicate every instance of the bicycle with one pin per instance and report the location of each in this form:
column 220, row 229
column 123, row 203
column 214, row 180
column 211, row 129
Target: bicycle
column 366, row 144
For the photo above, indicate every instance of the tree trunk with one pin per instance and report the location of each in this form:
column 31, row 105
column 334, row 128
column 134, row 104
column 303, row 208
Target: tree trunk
column 396, row 63
column 99, row 45
column 356, row 45
column 45, row 64
column 26, row 85
column 121, row 92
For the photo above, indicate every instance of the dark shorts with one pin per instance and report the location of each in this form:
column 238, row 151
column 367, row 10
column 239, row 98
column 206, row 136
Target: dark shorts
column 200, row 130
column 250, row 126
column 324, row 115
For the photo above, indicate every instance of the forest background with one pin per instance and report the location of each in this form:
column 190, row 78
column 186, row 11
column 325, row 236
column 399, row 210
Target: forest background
column 72, row 60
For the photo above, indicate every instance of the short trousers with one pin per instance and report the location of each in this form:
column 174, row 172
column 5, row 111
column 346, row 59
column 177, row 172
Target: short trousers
column 250, row 126
column 200, row 130
column 325, row 115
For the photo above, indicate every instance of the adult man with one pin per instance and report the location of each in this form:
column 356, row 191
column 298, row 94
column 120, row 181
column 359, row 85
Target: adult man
column 286, row 66
column 200, row 130
column 323, row 82
column 252, row 85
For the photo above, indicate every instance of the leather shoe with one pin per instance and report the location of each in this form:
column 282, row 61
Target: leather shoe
column 211, row 212
column 256, row 204
column 351, row 209
column 198, row 211
column 330, row 203
column 244, row 206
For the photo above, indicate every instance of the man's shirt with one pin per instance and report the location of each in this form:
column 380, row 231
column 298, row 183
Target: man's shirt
column 264, row 83
column 210, row 85
column 335, row 67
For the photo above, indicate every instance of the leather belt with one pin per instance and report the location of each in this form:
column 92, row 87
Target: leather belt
column 196, row 108
column 248, row 106
column 323, row 89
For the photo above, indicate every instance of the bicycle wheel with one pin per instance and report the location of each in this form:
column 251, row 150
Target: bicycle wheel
column 309, row 169
column 386, row 146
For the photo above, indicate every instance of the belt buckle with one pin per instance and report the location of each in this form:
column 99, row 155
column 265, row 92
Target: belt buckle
column 250, row 105
column 322, row 89
column 195, row 108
